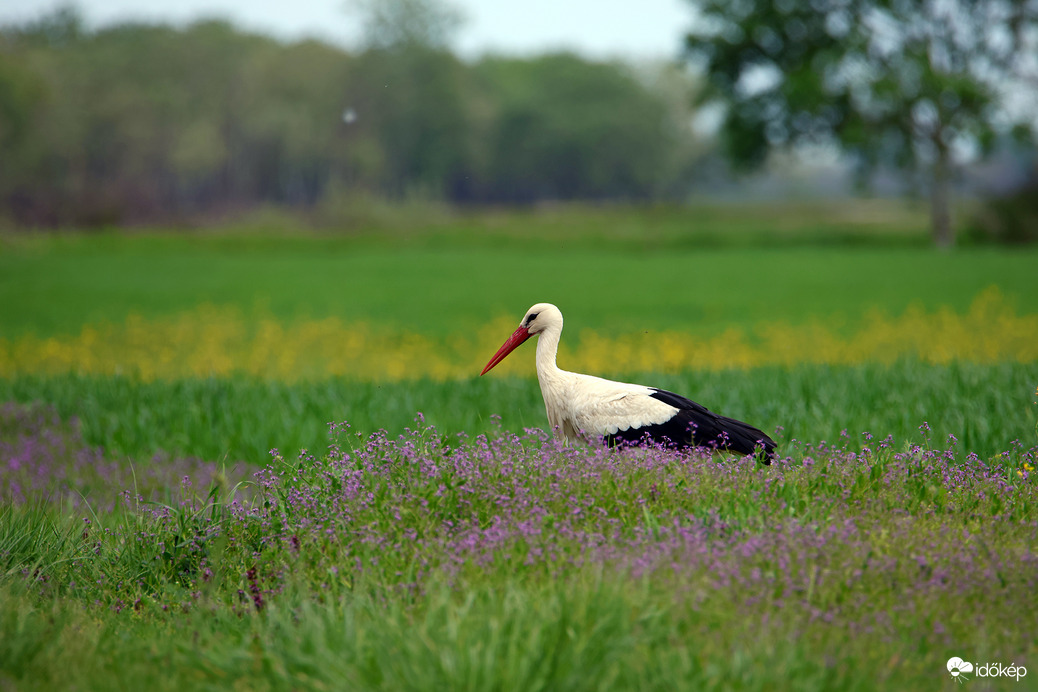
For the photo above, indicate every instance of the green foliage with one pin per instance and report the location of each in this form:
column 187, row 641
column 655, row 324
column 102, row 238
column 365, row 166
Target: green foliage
column 32, row 539
column 148, row 123
column 566, row 129
column 20, row 96
column 140, row 120
column 892, row 83
column 1008, row 219
column 407, row 23
column 889, row 81
column 413, row 131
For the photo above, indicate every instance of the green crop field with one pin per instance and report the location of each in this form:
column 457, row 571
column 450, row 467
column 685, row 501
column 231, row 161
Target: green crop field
column 264, row 460
column 57, row 286
column 240, row 419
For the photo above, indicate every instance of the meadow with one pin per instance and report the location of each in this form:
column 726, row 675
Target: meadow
column 263, row 460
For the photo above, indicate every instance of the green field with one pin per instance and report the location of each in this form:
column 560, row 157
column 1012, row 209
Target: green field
column 239, row 419
column 443, row 541
column 435, row 283
column 507, row 562
column 440, row 283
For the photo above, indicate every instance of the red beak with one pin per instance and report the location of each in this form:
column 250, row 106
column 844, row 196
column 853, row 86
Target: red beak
column 518, row 336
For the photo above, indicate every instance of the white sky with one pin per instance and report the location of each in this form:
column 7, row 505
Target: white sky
column 596, row 28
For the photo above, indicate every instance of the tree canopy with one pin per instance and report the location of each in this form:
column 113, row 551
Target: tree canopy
column 915, row 85
column 156, row 124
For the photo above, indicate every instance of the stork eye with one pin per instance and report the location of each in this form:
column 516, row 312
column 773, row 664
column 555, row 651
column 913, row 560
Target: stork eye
column 530, row 318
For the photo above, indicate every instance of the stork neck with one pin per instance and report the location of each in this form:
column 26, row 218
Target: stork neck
column 547, row 352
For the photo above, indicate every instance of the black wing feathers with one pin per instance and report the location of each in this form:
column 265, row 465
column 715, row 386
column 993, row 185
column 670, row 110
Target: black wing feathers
column 694, row 425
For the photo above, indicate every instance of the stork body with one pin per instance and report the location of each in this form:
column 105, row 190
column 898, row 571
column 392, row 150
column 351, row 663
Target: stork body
column 580, row 406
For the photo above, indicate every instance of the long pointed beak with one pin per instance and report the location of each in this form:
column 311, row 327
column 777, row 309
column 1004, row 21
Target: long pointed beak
column 518, row 336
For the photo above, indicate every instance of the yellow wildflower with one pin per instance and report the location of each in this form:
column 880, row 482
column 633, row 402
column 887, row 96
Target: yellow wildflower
column 218, row 341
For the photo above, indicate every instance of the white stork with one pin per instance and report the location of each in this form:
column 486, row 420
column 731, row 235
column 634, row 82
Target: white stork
column 582, row 405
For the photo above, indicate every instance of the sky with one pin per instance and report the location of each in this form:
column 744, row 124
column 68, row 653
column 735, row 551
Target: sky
column 597, row 29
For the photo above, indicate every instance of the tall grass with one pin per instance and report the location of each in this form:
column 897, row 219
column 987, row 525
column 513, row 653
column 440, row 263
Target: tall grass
column 509, row 636
column 241, row 418
column 44, row 459
column 508, row 562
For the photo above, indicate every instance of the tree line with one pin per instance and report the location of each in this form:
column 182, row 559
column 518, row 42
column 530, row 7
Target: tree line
column 156, row 124
column 918, row 87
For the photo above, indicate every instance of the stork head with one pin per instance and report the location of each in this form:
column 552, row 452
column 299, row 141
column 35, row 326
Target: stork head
column 538, row 318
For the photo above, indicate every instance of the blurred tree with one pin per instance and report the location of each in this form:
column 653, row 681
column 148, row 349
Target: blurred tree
column 1009, row 217
column 59, row 28
column 408, row 96
column 564, row 128
column 918, row 85
column 136, row 123
column 290, row 119
column 22, row 94
column 139, row 123
column 407, row 23
column 411, row 102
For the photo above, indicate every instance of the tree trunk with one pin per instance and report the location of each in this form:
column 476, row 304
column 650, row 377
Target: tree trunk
column 940, row 213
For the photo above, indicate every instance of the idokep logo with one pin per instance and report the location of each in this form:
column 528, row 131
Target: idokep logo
column 960, row 670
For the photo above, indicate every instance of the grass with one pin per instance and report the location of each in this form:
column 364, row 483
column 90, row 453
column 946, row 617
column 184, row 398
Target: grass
column 898, row 529
column 510, row 563
column 510, row 637
column 240, row 419
column 56, row 285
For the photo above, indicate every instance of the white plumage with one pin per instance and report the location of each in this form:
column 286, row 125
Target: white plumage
column 582, row 406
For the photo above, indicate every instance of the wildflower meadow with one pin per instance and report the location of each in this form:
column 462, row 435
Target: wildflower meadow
column 283, row 483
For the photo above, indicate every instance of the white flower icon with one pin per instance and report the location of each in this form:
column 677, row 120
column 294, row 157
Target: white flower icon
column 957, row 667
